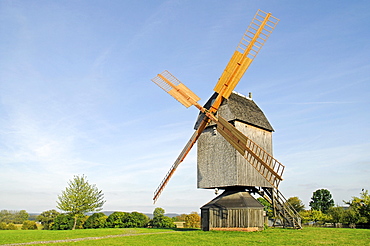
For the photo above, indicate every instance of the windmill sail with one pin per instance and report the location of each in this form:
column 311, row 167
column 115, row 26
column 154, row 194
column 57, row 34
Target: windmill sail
column 252, row 41
column 175, row 88
column 263, row 162
column 179, row 159
column 254, row 38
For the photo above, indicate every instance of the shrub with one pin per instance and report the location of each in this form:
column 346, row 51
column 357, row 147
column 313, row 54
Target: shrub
column 115, row 220
column 47, row 218
column 29, row 225
column 2, row 226
column 139, row 219
column 11, row 226
column 160, row 220
column 192, row 220
column 127, row 220
column 96, row 220
column 66, row 221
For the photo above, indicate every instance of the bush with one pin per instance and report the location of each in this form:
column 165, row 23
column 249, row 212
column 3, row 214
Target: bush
column 115, row 220
column 11, row 226
column 192, row 220
column 139, row 219
column 160, row 220
column 29, row 225
column 127, row 220
column 96, row 220
column 66, row 221
column 2, row 226
column 47, row 218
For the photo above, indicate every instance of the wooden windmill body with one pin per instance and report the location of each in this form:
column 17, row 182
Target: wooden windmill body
column 219, row 164
column 235, row 142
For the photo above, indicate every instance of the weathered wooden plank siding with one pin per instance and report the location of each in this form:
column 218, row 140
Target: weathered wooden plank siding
column 220, row 165
column 232, row 218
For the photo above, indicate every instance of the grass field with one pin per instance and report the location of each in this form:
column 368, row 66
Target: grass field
column 307, row 236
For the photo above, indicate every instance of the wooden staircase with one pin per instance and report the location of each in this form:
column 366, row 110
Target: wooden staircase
column 285, row 215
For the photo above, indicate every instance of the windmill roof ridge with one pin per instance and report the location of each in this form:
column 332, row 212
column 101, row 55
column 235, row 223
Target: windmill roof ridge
column 242, row 95
column 241, row 108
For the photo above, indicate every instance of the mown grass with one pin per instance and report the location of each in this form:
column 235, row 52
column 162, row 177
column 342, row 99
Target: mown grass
column 23, row 236
column 307, row 236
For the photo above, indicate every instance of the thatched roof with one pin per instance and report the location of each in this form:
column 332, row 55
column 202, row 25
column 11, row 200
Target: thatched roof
column 233, row 199
column 241, row 108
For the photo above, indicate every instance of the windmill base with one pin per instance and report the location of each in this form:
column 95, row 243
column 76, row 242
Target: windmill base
column 234, row 209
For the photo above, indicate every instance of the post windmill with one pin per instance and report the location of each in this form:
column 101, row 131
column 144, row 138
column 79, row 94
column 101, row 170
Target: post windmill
column 238, row 160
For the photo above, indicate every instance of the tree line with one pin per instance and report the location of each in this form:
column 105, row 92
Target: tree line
column 80, row 198
column 323, row 210
column 54, row 220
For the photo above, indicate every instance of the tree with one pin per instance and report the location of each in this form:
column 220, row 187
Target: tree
column 337, row 215
column 361, row 205
column 321, row 200
column 16, row 217
column 296, row 203
column 47, row 218
column 96, row 220
column 158, row 212
column 267, row 207
column 5, row 216
column 160, row 220
column 315, row 216
column 29, row 225
column 179, row 218
column 80, row 197
column 353, row 217
column 192, row 220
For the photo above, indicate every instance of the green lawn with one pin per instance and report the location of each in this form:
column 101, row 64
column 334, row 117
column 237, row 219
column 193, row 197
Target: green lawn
column 307, row 236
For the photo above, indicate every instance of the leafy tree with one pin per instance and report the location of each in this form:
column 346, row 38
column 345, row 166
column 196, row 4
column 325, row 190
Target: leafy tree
column 361, row 205
column 80, row 197
column 267, row 207
column 96, row 220
column 158, row 212
column 192, row 220
column 296, row 203
column 16, row 217
column 353, row 217
column 314, row 216
column 160, row 220
column 337, row 215
column 179, row 218
column 29, row 225
column 5, row 216
column 20, row 216
column 47, row 218
column 321, row 200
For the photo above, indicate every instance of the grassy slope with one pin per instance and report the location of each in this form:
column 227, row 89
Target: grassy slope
column 307, row 236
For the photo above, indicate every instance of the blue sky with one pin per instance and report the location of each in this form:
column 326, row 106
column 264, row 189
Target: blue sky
column 76, row 96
